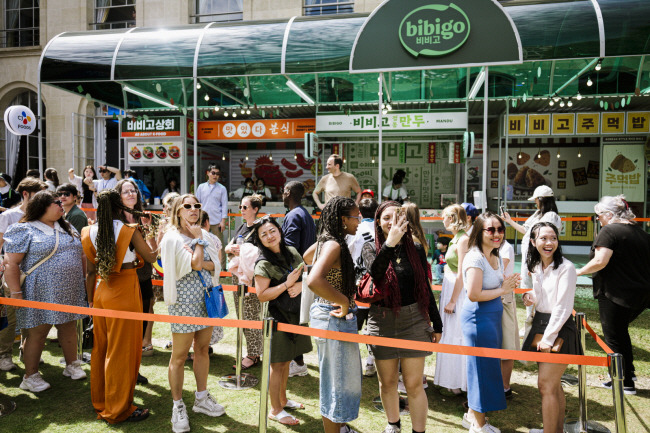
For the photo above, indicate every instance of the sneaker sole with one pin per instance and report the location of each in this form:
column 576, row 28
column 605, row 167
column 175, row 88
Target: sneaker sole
column 301, row 374
column 205, row 412
column 74, row 378
column 26, row 388
column 180, row 430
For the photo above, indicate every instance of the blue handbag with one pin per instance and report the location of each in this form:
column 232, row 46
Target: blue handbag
column 215, row 301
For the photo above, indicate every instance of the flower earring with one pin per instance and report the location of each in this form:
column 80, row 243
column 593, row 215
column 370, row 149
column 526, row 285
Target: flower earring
column 345, row 227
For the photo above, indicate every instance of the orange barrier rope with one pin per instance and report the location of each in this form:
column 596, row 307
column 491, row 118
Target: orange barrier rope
column 340, row 336
column 595, row 336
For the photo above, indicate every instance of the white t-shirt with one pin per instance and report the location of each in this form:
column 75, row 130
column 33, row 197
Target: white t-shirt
column 365, row 233
column 394, row 194
column 9, row 217
column 102, row 184
column 129, row 256
column 507, row 252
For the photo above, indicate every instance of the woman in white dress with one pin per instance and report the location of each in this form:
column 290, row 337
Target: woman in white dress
column 450, row 371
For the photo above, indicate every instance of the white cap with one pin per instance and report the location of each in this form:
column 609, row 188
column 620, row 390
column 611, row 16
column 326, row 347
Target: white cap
column 542, row 191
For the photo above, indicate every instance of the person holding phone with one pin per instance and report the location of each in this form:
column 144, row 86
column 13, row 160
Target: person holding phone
column 554, row 329
column 278, row 274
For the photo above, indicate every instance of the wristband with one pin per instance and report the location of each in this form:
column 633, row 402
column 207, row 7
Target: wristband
column 198, row 242
column 13, row 293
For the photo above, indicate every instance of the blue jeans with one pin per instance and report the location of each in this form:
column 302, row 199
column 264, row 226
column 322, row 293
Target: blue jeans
column 340, row 366
column 439, row 271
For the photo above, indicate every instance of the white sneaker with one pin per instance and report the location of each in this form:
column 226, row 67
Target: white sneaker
column 6, row 364
column 536, row 430
column 392, row 429
column 74, row 371
column 180, row 421
column 208, row 406
column 371, row 370
column 297, row 370
column 487, row 428
column 466, row 422
column 34, row 383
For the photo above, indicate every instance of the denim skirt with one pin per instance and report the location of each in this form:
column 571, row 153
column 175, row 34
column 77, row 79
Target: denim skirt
column 340, row 366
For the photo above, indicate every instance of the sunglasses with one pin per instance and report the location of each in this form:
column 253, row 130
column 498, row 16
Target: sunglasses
column 493, row 230
column 243, row 207
column 215, row 173
column 264, row 219
column 103, row 171
column 190, row 206
column 358, row 217
column 58, row 202
column 65, row 194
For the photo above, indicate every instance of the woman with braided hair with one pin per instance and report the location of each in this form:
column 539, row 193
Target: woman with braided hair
column 332, row 279
column 114, row 251
column 408, row 312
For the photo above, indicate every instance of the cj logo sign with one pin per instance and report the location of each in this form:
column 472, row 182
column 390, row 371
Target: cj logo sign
column 20, row 120
column 434, row 30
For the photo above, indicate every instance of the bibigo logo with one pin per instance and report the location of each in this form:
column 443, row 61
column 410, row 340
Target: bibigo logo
column 434, row 30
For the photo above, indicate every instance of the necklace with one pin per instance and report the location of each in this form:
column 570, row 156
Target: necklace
column 398, row 260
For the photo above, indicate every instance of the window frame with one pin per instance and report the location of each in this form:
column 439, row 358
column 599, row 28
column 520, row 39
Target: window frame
column 317, row 9
column 35, row 27
column 196, row 18
column 106, row 25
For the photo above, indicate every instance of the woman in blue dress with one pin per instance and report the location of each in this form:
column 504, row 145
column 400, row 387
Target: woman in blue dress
column 483, row 275
column 57, row 280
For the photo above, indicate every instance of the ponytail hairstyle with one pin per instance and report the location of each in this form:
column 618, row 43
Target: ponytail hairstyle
column 51, row 174
column 533, row 258
column 331, row 229
column 389, row 284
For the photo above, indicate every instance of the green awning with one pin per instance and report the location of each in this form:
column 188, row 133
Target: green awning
column 248, row 63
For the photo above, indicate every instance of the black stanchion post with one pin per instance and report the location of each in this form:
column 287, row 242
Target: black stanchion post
column 267, row 335
column 616, row 372
column 239, row 380
column 582, row 424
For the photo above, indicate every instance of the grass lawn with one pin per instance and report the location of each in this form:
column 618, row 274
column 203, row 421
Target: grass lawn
column 66, row 407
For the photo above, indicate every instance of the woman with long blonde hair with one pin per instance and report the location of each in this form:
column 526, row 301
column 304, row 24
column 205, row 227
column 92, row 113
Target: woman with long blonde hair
column 453, row 295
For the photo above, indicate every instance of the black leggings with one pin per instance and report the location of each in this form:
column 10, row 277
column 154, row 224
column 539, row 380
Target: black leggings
column 616, row 320
column 146, row 288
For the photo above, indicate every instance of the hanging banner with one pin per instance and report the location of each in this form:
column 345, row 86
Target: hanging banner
column 152, row 127
column 402, row 153
column 403, row 122
column 638, row 122
column 588, row 123
column 455, row 153
column 432, row 153
column 259, row 129
column 566, row 124
column 623, row 167
column 168, row 152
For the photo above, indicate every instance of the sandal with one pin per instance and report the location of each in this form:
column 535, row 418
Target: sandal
column 282, row 415
column 147, row 350
column 138, row 415
column 293, row 405
column 255, row 360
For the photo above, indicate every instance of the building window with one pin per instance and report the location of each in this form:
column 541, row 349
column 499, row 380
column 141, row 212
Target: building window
column 114, row 14
column 21, row 21
column 328, row 7
column 206, row 11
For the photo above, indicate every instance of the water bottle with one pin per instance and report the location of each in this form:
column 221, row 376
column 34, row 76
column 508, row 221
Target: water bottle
column 240, row 240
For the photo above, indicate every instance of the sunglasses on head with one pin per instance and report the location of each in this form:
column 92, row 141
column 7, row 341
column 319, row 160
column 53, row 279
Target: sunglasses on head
column 493, row 230
column 65, row 194
column 190, row 206
column 264, row 219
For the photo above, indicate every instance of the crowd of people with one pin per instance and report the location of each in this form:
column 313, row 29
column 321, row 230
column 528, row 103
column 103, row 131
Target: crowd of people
column 58, row 253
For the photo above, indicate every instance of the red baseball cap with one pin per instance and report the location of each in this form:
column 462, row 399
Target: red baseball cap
column 368, row 191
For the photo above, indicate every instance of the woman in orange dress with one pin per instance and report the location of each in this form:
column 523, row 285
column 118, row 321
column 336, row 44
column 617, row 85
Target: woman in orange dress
column 113, row 252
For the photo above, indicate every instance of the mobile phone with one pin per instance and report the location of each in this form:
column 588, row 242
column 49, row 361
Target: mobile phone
column 502, row 208
column 300, row 266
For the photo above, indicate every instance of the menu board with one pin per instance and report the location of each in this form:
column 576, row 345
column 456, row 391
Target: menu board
column 167, row 152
